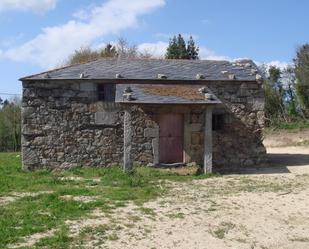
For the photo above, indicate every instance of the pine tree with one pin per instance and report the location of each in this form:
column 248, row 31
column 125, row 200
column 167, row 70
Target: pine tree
column 182, row 50
column 192, row 50
column 177, row 49
column 172, row 51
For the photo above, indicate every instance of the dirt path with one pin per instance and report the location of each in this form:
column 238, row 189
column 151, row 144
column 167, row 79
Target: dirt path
column 265, row 208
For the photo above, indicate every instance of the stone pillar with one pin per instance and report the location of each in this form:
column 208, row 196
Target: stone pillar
column 208, row 140
column 127, row 141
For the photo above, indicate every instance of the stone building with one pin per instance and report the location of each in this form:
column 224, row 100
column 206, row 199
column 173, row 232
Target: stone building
column 152, row 112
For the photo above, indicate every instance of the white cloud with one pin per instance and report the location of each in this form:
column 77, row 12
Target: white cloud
column 208, row 54
column 52, row 46
column 37, row 6
column 156, row 49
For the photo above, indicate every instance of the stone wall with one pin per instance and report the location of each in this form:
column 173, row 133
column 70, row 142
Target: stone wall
column 240, row 142
column 65, row 126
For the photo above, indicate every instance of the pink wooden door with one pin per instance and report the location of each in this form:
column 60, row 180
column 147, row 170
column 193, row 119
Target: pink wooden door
column 171, row 138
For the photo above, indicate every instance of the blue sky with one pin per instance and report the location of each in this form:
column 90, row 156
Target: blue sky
column 36, row 35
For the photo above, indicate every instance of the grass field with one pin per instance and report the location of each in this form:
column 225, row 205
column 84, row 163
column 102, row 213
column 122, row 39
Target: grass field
column 37, row 202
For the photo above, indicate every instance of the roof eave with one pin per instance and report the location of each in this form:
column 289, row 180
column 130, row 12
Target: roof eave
column 139, row 81
column 172, row 103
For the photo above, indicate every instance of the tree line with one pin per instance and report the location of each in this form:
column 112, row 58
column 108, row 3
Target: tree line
column 177, row 49
column 10, row 125
column 286, row 90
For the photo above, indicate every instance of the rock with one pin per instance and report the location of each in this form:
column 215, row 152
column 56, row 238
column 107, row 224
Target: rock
column 30, row 157
column 192, row 164
column 258, row 104
column 28, row 111
column 39, row 141
column 252, row 115
column 105, row 118
column 31, row 130
column 151, row 132
column 67, row 165
column 146, row 146
column 196, row 138
column 60, row 156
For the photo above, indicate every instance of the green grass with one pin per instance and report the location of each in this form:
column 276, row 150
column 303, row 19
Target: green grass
column 33, row 214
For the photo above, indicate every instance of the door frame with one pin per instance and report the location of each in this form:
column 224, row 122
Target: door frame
column 154, row 111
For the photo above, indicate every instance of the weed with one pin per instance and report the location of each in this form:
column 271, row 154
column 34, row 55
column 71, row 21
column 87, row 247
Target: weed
column 223, row 229
column 148, row 211
column 176, row 216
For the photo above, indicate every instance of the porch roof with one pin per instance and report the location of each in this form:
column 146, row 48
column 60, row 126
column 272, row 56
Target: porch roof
column 164, row 94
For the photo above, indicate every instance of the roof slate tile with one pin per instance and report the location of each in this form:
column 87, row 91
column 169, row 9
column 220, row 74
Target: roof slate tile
column 149, row 69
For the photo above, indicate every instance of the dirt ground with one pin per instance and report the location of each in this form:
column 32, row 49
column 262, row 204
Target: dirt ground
column 262, row 208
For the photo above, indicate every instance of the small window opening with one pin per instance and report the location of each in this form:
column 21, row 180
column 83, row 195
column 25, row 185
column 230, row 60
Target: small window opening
column 106, row 92
column 217, row 122
column 101, row 92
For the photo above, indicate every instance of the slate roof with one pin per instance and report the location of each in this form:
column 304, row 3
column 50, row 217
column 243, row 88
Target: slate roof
column 148, row 69
column 164, row 94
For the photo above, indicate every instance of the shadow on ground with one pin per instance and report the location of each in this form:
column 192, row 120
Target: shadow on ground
column 288, row 159
column 278, row 163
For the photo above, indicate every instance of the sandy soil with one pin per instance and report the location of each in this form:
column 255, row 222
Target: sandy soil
column 14, row 196
column 264, row 208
